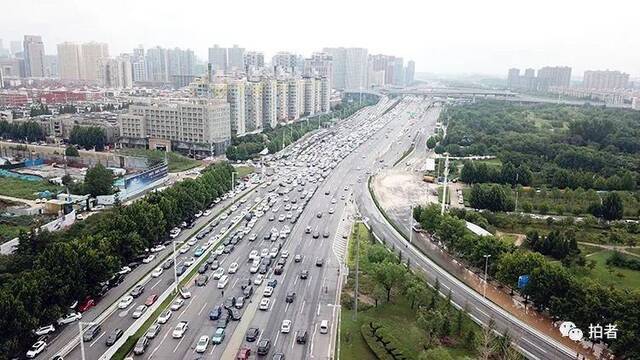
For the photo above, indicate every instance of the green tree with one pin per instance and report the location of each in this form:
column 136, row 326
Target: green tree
column 71, row 150
column 99, row 181
column 389, row 275
column 431, row 142
column 612, row 206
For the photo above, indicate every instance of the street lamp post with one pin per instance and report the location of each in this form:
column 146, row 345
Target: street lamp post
column 233, row 180
column 411, row 224
column 486, row 265
column 80, row 330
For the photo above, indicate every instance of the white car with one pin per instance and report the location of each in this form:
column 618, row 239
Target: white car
column 258, row 280
column 253, row 254
column 255, row 266
column 156, row 272
column 192, row 241
column 224, row 216
column 218, row 273
column 286, row 326
column 164, row 317
column 331, row 210
column 223, row 281
column 268, row 291
column 264, row 252
column 125, row 302
column 233, row 268
column 274, row 252
column 180, row 329
column 44, row 330
column 36, row 349
column 69, row 318
column 148, row 259
column 174, row 232
column 202, row 344
column 184, row 249
column 264, row 304
column 207, row 213
column 157, row 248
column 140, row 309
column 177, row 304
column 124, row 270
column 189, row 261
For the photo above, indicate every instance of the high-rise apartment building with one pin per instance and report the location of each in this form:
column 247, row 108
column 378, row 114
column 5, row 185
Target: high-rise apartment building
column 269, row 103
column 116, row 73
column 1, row 78
column 282, row 89
column 236, row 100
column 187, row 125
column 410, row 72
column 286, row 63
column 253, row 61
column 138, row 65
column 70, row 64
column 319, row 64
column 235, row 58
column 605, row 80
column 349, row 68
column 553, row 76
column 309, row 96
column 218, row 59
column 91, row 53
column 33, row 53
column 156, row 65
column 253, row 106
column 295, row 98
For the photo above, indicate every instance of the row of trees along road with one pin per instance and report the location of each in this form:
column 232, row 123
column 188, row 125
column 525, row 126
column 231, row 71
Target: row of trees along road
column 552, row 288
column 49, row 271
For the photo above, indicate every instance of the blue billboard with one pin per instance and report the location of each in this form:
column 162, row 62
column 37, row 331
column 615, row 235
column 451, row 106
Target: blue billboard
column 139, row 181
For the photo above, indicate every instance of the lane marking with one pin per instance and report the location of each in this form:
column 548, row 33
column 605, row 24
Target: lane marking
column 98, row 338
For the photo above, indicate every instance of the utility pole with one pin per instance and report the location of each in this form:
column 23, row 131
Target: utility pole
column 486, row 266
column 444, row 189
column 80, row 332
column 411, row 224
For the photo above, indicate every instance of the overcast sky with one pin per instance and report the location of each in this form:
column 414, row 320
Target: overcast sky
column 464, row 36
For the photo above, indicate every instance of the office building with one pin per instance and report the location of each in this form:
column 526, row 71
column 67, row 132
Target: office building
column 553, row 76
column 201, row 127
column 269, row 103
column 70, row 61
column 410, row 72
column 218, row 59
column 33, row 54
column 605, row 80
column 349, row 68
column 235, row 59
column 91, row 53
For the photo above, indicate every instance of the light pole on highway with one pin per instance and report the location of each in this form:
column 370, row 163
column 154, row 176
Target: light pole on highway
column 411, row 224
column 80, row 333
column 175, row 265
column 486, row 266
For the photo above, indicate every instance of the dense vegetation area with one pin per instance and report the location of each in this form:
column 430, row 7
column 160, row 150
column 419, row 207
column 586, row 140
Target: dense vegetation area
column 563, row 146
column 175, row 161
column 27, row 130
column 88, row 137
column 389, row 294
column 49, row 271
column 555, row 287
column 248, row 146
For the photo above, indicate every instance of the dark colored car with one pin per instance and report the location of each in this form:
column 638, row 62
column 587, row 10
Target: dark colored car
column 301, row 337
column 290, row 297
column 114, row 336
column 244, row 283
column 214, row 314
column 272, row 283
column 235, row 314
column 252, row 334
column 203, row 268
column 319, row 262
column 167, row 264
column 229, row 302
column 141, row 346
column 278, row 270
column 222, row 323
column 181, row 269
column 137, row 291
column 263, row 269
column 248, row 291
column 304, row 274
column 202, row 280
column 263, row 346
column 116, row 280
column 316, row 235
column 91, row 332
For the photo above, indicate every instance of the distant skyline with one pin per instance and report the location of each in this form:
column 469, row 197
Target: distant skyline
column 460, row 37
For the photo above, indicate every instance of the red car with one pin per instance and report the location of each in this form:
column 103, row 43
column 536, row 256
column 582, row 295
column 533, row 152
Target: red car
column 151, row 299
column 244, row 354
column 87, row 304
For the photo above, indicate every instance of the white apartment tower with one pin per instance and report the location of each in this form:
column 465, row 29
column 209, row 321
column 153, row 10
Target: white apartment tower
column 236, row 100
column 91, row 53
column 70, row 61
column 282, row 98
column 33, row 52
column 269, row 101
column 253, row 106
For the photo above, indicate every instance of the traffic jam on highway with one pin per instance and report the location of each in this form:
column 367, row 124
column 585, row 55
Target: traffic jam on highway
column 259, row 269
